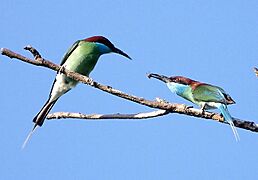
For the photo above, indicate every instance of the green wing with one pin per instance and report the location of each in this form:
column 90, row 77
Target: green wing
column 69, row 52
column 208, row 93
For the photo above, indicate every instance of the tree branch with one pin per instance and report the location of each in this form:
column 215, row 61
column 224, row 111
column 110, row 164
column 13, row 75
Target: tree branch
column 170, row 107
column 147, row 115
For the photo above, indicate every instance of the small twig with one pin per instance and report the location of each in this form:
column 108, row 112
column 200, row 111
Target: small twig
column 172, row 108
column 33, row 51
column 38, row 62
column 59, row 115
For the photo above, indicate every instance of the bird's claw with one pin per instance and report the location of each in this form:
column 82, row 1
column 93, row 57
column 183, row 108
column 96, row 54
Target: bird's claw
column 213, row 114
column 62, row 69
column 188, row 107
column 90, row 81
column 203, row 109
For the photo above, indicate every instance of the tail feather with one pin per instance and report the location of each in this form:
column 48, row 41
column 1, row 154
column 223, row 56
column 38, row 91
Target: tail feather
column 39, row 119
column 41, row 116
column 29, row 135
column 224, row 110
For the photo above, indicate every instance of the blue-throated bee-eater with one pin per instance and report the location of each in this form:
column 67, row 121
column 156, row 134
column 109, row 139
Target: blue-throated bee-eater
column 205, row 95
column 81, row 57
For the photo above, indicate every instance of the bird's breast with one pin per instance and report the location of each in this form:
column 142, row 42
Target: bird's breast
column 182, row 90
column 61, row 85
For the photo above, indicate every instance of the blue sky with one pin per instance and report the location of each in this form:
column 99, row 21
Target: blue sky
column 212, row 41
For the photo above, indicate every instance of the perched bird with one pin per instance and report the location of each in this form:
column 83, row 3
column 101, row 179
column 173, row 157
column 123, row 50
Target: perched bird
column 204, row 95
column 81, row 58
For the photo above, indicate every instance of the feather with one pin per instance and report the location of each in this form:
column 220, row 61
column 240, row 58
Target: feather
column 224, row 110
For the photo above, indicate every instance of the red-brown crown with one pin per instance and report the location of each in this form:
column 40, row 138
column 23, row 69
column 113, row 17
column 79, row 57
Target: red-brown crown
column 175, row 79
column 182, row 80
column 106, row 42
column 187, row 81
column 102, row 40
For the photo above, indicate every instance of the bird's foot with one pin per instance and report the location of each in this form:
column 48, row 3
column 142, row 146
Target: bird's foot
column 62, row 69
column 213, row 114
column 203, row 110
column 188, row 107
column 221, row 115
column 90, row 81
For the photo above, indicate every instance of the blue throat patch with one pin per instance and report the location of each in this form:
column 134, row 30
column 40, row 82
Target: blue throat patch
column 103, row 49
column 177, row 88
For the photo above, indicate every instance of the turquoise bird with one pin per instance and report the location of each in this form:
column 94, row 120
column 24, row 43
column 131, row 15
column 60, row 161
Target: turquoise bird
column 204, row 95
column 81, row 58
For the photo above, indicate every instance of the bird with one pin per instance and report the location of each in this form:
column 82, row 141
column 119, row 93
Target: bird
column 205, row 95
column 81, row 57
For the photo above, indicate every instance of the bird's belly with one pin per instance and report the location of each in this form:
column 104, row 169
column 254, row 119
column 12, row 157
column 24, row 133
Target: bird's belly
column 62, row 85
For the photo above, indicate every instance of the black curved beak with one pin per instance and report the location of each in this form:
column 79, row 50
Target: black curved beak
column 118, row 51
column 165, row 79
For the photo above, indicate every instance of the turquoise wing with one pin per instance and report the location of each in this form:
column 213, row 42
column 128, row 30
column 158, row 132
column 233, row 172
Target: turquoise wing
column 209, row 93
column 69, row 52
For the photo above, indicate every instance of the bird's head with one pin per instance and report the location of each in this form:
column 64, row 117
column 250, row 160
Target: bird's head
column 174, row 79
column 181, row 80
column 105, row 46
column 175, row 83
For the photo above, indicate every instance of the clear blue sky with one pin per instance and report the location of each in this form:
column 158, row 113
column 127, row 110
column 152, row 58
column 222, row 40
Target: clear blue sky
column 213, row 41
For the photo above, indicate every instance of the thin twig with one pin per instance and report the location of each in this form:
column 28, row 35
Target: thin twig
column 147, row 115
column 172, row 108
column 33, row 51
column 71, row 115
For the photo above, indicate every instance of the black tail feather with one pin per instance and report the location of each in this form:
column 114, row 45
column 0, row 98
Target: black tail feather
column 41, row 116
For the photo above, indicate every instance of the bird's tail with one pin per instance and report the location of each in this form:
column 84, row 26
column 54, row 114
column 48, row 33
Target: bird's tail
column 224, row 110
column 41, row 116
column 39, row 119
column 29, row 135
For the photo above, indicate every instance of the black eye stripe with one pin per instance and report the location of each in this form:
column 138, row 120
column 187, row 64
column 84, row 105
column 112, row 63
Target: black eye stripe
column 179, row 80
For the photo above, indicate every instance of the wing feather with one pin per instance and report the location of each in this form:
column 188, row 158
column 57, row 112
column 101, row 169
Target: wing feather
column 69, row 52
column 208, row 93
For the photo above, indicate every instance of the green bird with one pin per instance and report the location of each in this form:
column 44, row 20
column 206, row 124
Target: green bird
column 81, row 58
column 205, row 95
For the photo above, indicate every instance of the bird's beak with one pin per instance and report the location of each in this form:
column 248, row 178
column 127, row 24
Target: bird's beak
column 165, row 79
column 118, row 51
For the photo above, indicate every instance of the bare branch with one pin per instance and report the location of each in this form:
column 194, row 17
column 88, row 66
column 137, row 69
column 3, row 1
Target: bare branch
column 172, row 108
column 37, row 62
column 58, row 115
column 147, row 115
